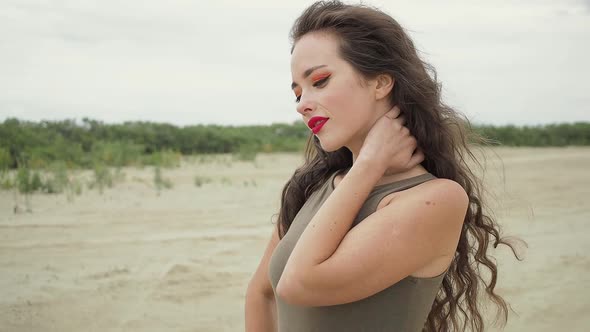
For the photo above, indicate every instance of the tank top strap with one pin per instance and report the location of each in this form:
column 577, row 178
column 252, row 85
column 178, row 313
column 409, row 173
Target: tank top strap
column 380, row 191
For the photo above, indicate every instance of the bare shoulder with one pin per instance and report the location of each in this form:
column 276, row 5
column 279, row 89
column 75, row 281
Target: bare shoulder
column 445, row 191
column 444, row 188
column 431, row 192
column 438, row 205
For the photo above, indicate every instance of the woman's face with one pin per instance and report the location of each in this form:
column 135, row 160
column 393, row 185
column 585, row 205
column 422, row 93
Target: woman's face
column 327, row 86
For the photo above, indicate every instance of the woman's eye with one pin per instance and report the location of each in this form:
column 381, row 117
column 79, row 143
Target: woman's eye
column 320, row 82
column 316, row 84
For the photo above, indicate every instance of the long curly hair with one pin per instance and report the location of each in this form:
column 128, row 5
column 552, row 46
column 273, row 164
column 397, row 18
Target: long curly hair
column 374, row 43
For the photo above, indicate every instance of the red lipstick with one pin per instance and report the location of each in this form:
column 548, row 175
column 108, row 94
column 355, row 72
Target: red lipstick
column 316, row 123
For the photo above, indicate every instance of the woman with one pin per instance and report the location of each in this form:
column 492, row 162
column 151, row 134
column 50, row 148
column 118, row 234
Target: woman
column 379, row 230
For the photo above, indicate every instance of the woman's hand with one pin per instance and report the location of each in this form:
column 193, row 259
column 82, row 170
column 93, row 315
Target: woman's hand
column 389, row 147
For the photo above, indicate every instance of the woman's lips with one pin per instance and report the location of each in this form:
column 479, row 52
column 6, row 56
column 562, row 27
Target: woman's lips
column 316, row 123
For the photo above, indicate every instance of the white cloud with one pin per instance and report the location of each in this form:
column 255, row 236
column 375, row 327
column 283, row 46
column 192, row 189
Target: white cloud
column 188, row 62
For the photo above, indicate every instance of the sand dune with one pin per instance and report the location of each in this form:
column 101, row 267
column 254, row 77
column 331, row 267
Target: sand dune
column 130, row 260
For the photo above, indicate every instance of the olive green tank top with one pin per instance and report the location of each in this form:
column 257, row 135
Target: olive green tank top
column 403, row 306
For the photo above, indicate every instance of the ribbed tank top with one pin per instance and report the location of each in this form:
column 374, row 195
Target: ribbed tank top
column 403, row 306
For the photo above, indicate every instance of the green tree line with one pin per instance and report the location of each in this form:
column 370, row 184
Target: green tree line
column 547, row 135
column 86, row 143
column 83, row 144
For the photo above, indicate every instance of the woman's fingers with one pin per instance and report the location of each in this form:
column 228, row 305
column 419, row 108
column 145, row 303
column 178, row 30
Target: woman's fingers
column 412, row 142
column 393, row 113
column 391, row 144
column 402, row 119
column 417, row 158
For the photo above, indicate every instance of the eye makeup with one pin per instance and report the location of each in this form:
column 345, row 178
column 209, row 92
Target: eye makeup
column 317, row 80
column 297, row 95
column 320, row 77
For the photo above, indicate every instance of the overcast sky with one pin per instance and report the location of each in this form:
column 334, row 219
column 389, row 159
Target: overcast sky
column 227, row 62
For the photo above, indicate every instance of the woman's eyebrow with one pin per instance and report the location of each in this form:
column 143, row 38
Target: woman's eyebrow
column 307, row 73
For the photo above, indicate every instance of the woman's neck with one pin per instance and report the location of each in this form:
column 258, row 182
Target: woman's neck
column 414, row 171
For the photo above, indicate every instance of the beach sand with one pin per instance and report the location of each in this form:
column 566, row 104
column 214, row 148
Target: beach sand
column 133, row 260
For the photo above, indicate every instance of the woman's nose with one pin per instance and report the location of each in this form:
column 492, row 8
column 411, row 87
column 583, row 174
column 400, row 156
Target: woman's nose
column 304, row 106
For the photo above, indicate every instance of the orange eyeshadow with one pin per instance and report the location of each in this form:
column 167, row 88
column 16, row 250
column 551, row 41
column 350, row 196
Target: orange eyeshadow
column 320, row 77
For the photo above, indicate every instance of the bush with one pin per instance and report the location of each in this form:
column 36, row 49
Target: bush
column 6, row 182
column 246, row 153
column 166, row 159
column 103, row 178
column 160, row 182
column 201, row 180
column 5, row 160
column 117, row 153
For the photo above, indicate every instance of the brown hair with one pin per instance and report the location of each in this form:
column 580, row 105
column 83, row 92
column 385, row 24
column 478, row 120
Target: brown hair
column 374, row 43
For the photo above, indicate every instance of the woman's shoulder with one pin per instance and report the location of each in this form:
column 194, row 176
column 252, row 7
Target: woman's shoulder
column 438, row 190
column 442, row 186
column 416, row 187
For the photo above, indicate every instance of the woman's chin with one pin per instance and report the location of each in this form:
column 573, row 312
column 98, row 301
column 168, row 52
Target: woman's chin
column 328, row 146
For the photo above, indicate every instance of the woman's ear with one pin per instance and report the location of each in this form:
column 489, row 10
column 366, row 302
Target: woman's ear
column 384, row 85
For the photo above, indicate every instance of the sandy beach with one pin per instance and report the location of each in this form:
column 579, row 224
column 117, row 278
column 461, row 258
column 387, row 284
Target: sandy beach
column 133, row 260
